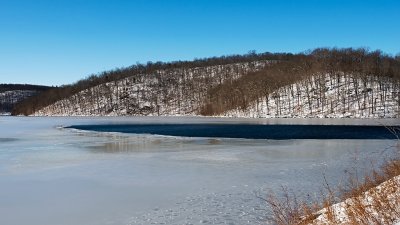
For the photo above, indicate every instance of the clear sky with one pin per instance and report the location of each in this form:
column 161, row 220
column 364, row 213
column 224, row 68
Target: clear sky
column 55, row 42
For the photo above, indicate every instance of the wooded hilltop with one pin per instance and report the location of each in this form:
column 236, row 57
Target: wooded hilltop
column 325, row 82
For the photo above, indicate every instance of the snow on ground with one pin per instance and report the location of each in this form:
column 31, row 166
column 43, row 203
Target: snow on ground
column 328, row 96
column 382, row 205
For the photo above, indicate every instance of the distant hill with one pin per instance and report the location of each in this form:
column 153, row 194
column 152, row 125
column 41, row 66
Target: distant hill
column 11, row 94
column 354, row 83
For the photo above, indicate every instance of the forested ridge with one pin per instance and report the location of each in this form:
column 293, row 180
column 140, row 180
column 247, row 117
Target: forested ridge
column 11, row 94
column 135, row 71
column 360, row 78
column 319, row 83
column 31, row 87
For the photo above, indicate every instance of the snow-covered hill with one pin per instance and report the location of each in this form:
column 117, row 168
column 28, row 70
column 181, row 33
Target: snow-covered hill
column 319, row 96
column 323, row 83
column 180, row 91
column 329, row 96
column 9, row 98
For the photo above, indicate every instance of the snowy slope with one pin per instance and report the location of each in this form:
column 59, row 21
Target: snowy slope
column 9, row 98
column 167, row 92
column 329, row 96
column 183, row 91
column 381, row 205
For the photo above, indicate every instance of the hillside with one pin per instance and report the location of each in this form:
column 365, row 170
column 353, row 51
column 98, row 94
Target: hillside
column 328, row 96
column 326, row 83
column 181, row 93
column 11, row 94
column 164, row 74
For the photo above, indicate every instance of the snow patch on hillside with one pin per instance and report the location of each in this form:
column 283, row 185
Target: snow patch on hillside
column 9, row 98
column 328, row 96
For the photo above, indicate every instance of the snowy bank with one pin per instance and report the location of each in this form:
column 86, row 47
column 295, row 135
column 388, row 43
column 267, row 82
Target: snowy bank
column 379, row 205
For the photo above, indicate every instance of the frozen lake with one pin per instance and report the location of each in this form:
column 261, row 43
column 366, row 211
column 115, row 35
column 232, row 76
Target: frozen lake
column 53, row 175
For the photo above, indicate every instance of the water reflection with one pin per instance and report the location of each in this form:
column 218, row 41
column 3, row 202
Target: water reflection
column 124, row 145
column 136, row 145
column 8, row 139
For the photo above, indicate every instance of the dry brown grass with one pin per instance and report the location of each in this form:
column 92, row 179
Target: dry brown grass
column 375, row 199
column 288, row 210
column 373, row 204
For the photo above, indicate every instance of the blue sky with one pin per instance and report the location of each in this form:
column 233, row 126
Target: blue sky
column 55, row 42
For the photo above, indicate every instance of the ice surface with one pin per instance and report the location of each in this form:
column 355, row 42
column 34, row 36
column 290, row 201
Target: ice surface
column 51, row 175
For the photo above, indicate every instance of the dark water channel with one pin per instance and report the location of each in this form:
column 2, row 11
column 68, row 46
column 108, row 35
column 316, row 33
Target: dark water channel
column 278, row 132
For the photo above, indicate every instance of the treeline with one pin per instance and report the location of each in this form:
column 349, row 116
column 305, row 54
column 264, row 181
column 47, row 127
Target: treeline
column 51, row 96
column 24, row 87
column 359, row 63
